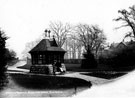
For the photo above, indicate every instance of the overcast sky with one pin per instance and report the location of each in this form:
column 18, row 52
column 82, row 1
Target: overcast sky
column 25, row 20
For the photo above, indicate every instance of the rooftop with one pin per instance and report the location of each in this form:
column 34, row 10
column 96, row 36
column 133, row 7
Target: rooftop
column 47, row 45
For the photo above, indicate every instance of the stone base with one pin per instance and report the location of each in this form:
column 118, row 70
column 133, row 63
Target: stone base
column 47, row 69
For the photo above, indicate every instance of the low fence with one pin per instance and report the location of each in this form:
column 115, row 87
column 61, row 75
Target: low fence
column 72, row 61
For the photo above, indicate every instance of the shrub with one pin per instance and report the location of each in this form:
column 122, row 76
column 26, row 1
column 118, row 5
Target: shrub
column 89, row 61
column 119, row 58
column 2, row 58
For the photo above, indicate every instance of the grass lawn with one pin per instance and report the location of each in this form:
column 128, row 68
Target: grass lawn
column 43, row 85
column 31, row 81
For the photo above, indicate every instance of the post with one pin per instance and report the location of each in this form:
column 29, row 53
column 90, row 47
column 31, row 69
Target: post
column 75, row 89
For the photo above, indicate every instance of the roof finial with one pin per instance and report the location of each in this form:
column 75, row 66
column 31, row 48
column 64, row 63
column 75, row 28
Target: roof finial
column 47, row 33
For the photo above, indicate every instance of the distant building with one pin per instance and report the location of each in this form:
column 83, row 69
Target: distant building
column 118, row 45
column 114, row 47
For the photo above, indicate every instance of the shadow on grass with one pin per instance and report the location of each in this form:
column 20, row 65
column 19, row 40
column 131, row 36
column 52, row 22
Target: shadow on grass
column 105, row 74
column 40, row 82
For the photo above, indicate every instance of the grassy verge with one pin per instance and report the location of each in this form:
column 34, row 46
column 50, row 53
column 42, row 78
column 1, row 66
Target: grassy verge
column 105, row 74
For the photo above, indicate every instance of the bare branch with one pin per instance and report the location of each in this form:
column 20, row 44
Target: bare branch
column 127, row 17
column 121, row 26
column 60, row 31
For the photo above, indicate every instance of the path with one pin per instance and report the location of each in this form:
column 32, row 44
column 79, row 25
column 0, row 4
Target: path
column 15, row 69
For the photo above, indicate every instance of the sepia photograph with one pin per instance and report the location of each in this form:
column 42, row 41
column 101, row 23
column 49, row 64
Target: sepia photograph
column 67, row 48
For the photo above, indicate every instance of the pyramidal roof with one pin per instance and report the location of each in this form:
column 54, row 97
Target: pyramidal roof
column 47, row 45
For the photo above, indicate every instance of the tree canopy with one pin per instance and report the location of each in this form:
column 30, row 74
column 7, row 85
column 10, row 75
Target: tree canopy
column 91, row 37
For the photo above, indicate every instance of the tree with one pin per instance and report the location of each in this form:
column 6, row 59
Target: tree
column 128, row 19
column 60, row 32
column 13, row 54
column 28, row 47
column 3, row 61
column 91, row 37
column 10, row 55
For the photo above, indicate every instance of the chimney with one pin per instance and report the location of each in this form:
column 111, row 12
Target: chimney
column 47, row 34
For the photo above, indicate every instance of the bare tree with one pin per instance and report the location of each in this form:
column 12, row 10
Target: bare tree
column 60, row 32
column 128, row 19
column 91, row 37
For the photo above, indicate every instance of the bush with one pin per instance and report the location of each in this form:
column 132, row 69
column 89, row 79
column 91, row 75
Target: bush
column 125, row 57
column 89, row 61
column 119, row 58
column 3, row 61
column 11, row 57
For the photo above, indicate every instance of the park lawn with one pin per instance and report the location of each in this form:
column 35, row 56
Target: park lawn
column 106, row 74
column 33, row 81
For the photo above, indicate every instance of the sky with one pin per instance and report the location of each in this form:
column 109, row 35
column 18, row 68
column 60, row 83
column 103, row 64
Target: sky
column 25, row 20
